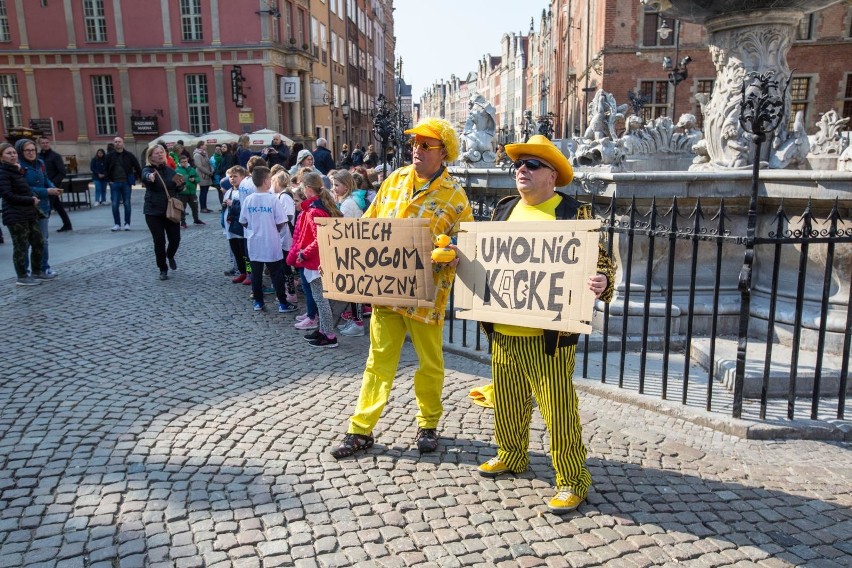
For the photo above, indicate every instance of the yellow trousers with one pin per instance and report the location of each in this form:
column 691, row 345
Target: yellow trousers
column 387, row 333
column 521, row 370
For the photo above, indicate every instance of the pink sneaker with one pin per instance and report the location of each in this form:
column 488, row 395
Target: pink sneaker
column 292, row 299
column 301, row 317
column 308, row 323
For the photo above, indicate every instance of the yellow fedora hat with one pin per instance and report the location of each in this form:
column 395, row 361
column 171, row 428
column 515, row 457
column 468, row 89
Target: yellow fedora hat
column 540, row 147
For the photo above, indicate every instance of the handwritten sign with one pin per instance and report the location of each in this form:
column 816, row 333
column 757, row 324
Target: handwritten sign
column 528, row 274
column 377, row 261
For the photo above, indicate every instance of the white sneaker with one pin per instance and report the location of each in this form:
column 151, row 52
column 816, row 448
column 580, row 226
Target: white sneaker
column 116, row 228
column 127, row 226
column 353, row 329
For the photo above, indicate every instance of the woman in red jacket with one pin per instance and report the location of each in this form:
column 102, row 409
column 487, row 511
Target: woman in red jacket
column 304, row 253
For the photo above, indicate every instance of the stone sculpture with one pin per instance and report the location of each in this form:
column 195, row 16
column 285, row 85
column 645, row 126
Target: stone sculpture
column 603, row 114
column 477, row 137
column 601, row 146
column 829, row 138
column 790, row 149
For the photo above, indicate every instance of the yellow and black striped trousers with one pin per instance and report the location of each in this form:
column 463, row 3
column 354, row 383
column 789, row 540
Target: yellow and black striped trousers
column 520, row 370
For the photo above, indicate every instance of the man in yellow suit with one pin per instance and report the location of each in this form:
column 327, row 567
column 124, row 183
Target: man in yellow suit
column 527, row 362
column 425, row 190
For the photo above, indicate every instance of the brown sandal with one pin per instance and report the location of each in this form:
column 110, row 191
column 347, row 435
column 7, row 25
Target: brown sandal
column 352, row 443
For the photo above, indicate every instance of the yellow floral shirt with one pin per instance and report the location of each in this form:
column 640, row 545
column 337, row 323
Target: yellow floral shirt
column 445, row 204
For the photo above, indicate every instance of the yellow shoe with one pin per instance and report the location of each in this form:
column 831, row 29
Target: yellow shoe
column 564, row 501
column 493, row 468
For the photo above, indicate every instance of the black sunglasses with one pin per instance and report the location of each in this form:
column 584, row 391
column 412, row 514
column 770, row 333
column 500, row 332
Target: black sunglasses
column 532, row 164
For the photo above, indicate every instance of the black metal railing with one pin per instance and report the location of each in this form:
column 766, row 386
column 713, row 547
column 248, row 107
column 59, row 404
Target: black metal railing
column 673, row 326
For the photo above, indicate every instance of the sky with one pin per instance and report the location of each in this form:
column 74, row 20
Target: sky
column 438, row 38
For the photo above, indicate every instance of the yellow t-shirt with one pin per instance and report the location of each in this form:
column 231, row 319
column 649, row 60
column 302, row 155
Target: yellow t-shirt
column 545, row 211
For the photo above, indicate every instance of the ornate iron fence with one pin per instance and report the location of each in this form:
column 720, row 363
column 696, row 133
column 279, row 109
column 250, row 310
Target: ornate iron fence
column 673, row 329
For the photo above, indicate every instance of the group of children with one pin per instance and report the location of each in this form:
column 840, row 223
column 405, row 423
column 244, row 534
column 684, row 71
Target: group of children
column 269, row 220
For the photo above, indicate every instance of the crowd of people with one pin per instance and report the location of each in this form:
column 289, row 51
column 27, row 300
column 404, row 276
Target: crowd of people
column 270, row 201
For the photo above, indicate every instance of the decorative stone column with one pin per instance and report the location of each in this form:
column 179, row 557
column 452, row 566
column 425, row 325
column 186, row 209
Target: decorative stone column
column 738, row 46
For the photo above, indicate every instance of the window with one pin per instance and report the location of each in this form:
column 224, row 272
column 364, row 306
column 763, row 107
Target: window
column 288, row 20
column 334, row 47
column 704, row 86
column 651, row 23
column 197, row 104
column 800, row 91
column 657, row 94
column 190, row 20
column 315, row 36
column 324, row 44
column 847, row 97
column 104, row 99
column 95, row 20
column 806, row 28
column 4, row 23
column 9, row 86
column 301, row 30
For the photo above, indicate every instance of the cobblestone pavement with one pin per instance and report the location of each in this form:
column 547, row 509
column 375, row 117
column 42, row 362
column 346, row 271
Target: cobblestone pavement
column 148, row 423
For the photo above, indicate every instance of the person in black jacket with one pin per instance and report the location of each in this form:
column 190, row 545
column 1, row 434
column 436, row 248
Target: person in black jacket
column 55, row 165
column 277, row 153
column 20, row 214
column 322, row 157
column 161, row 182
column 528, row 362
column 122, row 170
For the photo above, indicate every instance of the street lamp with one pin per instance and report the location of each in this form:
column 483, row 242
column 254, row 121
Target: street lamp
column 677, row 71
column 344, row 109
column 8, row 104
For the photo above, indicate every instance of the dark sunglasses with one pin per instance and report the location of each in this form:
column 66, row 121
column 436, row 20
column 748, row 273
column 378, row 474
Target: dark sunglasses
column 532, row 164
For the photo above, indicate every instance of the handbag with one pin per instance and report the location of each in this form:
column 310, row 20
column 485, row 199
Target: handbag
column 174, row 206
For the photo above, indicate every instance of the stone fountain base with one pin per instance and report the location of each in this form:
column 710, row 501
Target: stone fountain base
column 791, row 189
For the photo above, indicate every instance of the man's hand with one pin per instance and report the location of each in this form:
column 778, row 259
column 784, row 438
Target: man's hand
column 597, row 284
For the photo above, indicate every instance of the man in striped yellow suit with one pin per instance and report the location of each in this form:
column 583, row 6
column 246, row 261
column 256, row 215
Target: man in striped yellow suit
column 527, row 362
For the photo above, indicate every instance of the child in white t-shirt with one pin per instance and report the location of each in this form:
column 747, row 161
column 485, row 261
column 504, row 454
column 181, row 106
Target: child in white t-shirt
column 263, row 217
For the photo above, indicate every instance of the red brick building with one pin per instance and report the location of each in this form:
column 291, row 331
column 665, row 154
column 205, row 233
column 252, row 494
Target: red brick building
column 94, row 69
column 574, row 48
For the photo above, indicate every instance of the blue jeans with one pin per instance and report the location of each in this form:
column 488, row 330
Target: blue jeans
column 120, row 191
column 309, row 297
column 42, row 226
column 100, row 190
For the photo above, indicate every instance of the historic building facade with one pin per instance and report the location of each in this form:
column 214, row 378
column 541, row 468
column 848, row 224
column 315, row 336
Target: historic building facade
column 617, row 45
column 93, row 69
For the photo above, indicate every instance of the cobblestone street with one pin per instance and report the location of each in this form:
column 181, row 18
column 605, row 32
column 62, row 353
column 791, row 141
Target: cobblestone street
column 148, row 423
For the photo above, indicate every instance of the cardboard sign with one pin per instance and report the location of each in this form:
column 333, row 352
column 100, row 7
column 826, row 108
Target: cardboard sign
column 528, row 274
column 377, row 261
